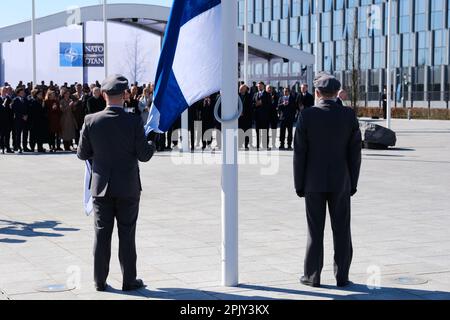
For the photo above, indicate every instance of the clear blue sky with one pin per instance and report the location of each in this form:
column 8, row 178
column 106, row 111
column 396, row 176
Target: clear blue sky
column 20, row 10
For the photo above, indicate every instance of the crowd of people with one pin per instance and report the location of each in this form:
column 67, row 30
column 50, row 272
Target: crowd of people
column 32, row 117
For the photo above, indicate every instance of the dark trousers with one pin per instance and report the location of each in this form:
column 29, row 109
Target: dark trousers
column 289, row 127
column 5, row 136
column 36, row 139
column 245, row 134
column 339, row 207
column 262, row 135
column 54, row 141
column 125, row 211
column 19, row 133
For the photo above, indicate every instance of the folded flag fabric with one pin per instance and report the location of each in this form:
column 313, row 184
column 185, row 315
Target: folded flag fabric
column 87, row 197
column 190, row 65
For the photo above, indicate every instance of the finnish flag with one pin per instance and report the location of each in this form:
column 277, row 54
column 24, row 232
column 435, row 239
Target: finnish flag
column 190, row 65
column 189, row 68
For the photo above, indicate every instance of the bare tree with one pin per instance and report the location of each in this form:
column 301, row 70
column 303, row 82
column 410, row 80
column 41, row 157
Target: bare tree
column 135, row 59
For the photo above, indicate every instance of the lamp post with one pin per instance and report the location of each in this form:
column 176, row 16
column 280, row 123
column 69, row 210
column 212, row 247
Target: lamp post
column 388, row 68
column 105, row 37
column 33, row 36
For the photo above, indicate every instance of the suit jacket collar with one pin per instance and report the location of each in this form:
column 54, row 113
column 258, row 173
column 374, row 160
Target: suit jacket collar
column 327, row 104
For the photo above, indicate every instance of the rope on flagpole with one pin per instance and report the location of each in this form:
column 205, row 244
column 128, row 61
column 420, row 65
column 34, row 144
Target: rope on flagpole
column 234, row 118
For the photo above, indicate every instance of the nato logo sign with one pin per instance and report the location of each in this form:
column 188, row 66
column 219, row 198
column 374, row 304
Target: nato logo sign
column 81, row 55
column 70, row 54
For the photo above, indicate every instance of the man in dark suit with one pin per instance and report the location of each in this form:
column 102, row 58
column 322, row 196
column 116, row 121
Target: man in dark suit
column 327, row 161
column 96, row 103
column 246, row 118
column 115, row 142
column 6, row 119
column 262, row 103
column 287, row 109
column 305, row 99
column 20, row 109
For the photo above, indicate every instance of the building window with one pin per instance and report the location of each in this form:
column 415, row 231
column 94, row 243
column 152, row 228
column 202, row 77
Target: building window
column 294, row 32
column 422, row 48
column 420, row 17
column 286, row 9
column 404, row 16
column 437, row 19
column 440, row 47
column 304, row 30
column 366, row 44
column 341, row 53
column 266, row 30
column 338, row 25
column 276, row 9
column 267, row 10
column 328, row 5
column 284, row 32
column 296, row 8
column 258, row 11
column 275, row 31
column 326, row 26
column 379, row 52
column 395, row 46
column 407, row 50
column 327, row 57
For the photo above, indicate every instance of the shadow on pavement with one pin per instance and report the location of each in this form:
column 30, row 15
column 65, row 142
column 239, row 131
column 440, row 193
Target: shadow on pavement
column 31, row 230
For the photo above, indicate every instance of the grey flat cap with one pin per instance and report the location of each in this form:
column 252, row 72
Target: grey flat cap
column 326, row 82
column 115, row 84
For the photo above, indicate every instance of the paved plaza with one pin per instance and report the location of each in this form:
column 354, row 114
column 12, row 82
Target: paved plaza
column 401, row 226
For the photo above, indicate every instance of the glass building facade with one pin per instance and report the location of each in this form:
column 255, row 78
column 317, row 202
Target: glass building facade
column 353, row 34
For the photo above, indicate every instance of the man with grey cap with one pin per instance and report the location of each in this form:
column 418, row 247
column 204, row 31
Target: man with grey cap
column 327, row 162
column 115, row 142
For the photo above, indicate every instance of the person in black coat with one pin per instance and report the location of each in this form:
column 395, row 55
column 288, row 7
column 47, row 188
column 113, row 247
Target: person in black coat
column 96, row 103
column 6, row 121
column 327, row 162
column 208, row 121
column 20, row 109
column 246, row 118
column 274, row 119
column 262, row 104
column 38, row 121
column 305, row 100
column 287, row 108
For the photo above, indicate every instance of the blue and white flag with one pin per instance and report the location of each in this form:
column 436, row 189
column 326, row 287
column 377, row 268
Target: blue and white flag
column 190, row 65
column 189, row 69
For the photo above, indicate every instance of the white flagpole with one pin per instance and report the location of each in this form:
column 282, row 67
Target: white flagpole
column 229, row 94
column 105, row 36
column 388, row 68
column 33, row 35
column 246, row 42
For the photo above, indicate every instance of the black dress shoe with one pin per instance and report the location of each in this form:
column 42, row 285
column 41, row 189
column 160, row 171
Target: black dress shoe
column 343, row 284
column 308, row 283
column 136, row 285
column 101, row 287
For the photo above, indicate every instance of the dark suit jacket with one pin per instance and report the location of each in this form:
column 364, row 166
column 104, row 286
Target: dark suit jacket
column 20, row 108
column 327, row 152
column 287, row 112
column 246, row 119
column 262, row 112
column 115, row 141
column 306, row 101
column 95, row 105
